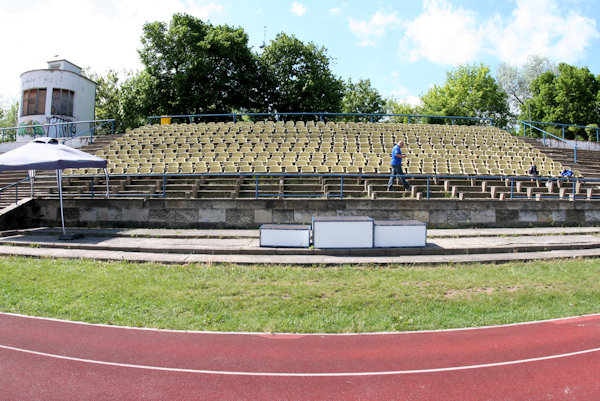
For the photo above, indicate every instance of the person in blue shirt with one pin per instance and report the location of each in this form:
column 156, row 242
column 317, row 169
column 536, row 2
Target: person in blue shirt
column 397, row 172
column 566, row 173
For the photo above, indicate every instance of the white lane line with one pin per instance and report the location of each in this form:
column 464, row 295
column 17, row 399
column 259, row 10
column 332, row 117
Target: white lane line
column 559, row 320
column 281, row 374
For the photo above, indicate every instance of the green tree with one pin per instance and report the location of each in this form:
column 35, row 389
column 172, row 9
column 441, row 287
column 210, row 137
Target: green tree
column 570, row 96
column 394, row 106
column 469, row 91
column 303, row 77
column 196, row 67
column 361, row 97
column 115, row 94
column 139, row 99
column 8, row 118
column 516, row 82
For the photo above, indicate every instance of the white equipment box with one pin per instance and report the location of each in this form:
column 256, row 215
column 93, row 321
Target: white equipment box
column 399, row 234
column 342, row 232
column 285, row 235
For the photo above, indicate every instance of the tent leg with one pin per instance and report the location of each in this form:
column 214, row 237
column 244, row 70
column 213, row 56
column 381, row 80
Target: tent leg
column 31, row 180
column 106, row 175
column 62, row 215
column 64, row 236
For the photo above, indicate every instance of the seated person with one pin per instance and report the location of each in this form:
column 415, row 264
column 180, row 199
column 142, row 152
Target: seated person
column 566, row 173
column 533, row 170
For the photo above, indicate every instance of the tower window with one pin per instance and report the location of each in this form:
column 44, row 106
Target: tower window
column 34, row 102
column 62, row 102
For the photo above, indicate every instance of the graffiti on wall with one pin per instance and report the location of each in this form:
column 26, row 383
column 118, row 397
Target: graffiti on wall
column 62, row 130
column 53, row 127
column 31, row 128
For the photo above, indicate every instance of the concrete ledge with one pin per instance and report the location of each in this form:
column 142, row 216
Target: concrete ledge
column 241, row 246
column 251, row 214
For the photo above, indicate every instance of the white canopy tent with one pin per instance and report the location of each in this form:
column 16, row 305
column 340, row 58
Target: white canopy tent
column 48, row 154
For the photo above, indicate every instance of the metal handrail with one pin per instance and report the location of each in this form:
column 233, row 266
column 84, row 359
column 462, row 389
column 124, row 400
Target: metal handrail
column 258, row 194
column 278, row 116
column 91, row 130
column 563, row 127
column 16, row 185
column 544, row 133
column 45, row 128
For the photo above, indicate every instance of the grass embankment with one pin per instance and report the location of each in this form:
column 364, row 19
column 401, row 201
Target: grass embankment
column 298, row 299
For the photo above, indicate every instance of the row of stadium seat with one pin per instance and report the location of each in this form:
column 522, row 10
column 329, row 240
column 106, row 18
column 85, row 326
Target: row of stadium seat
column 319, row 147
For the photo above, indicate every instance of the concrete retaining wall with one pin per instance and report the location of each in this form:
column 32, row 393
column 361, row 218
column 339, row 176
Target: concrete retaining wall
column 444, row 213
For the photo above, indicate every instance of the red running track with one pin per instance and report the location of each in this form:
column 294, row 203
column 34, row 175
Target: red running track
column 44, row 359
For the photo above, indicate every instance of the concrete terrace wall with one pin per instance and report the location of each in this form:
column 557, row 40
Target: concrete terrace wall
column 182, row 213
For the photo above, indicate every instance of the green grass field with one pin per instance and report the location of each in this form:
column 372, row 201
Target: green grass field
column 298, row 299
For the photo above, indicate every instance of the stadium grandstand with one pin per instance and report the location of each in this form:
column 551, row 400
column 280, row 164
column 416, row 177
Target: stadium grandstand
column 316, row 159
column 325, row 149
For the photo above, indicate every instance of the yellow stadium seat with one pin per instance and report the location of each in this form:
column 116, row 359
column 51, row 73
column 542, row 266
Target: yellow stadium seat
column 368, row 169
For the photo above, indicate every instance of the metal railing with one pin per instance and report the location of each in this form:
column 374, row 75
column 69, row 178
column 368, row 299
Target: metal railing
column 321, row 116
column 66, row 130
column 16, row 186
column 563, row 126
column 425, row 183
column 544, row 133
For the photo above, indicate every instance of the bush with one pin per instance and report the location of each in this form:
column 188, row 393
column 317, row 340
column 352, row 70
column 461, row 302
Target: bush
column 592, row 132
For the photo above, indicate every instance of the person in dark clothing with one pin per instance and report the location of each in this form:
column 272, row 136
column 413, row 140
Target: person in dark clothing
column 533, row 170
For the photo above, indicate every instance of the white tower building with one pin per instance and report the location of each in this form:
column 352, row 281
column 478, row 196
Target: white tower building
column 58, row 94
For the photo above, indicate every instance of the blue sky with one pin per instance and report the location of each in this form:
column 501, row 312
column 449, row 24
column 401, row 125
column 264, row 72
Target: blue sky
column 403, row 47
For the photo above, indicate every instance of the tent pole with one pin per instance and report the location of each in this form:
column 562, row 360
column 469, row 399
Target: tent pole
column 31, row 180
column 62, row 216
column 106, row 175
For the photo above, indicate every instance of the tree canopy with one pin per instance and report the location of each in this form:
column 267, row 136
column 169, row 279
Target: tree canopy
column 302, row 75
column 8, row 119
column 361, row 97
column 516, row 82
column 121, row 96
column 196, row 67
column 469, row 91
column 570, row 96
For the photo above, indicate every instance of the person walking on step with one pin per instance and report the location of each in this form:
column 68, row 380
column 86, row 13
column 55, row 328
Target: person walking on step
column 397, row 172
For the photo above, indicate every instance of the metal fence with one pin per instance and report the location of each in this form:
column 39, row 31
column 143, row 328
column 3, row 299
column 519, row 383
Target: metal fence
column 66, row 130
column 15, row 185
column 371, row 117
column 544, row 134
column 425, row 181
column 562, row 126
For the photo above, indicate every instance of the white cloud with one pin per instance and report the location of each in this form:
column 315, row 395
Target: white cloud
column 339, row 9
column 540, row 27
column 298, row 9
column 402, row 95
column 442, row 34
column 369, row 31
column 99, row 34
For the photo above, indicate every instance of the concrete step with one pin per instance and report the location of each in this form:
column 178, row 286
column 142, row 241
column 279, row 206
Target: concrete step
column 588, row 161
column 246, row 242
